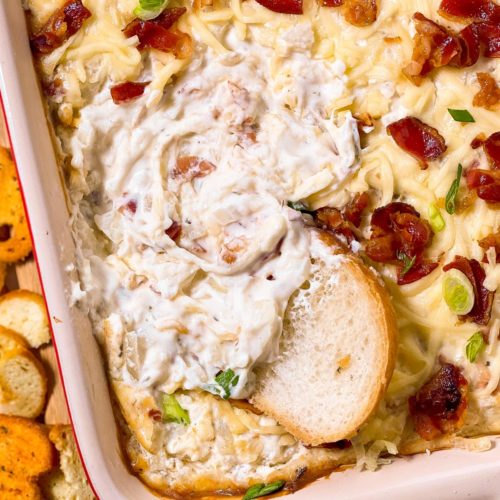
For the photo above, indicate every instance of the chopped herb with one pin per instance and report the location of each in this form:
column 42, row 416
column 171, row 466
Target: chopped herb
column 300, row 207
column 407, row 262
column 458, row 292
column 225, row 381
column 451, row 197
column 474, row 345
column 262, row 490
column 172, row 411
column 436, row 219
column 149, row 9
column 461, row 115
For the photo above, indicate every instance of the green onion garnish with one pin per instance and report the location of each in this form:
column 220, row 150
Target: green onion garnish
column 461, row 115
column 458, row 292
column 172, row 411
column 436, row 219
column 224, row 382
column 262, row 490
column 474, row 346
column 149, row 9
column 452, row 193
column 407, row 262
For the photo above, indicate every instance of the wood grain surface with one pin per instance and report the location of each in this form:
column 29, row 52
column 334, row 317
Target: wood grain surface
column 25, row 275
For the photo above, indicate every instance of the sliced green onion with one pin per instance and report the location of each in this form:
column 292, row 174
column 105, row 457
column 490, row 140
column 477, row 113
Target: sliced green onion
column 458, row 292
column 262, row 490
column 436, row 219
column 451, row 197
column 172, row 411
column 149, row 9
column 224, row 382
column 474, row 346
column 407, row 262
column 461, row 115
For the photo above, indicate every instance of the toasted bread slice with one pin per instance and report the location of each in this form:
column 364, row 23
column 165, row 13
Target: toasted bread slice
column 24, row 312
column 337, row 350
column 14, row 487
column 25, row 449
column 68, row 481
column 10, row 340
column 23, row 383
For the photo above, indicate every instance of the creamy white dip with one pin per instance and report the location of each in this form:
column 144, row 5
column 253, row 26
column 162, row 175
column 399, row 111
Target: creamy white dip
column 213, row 299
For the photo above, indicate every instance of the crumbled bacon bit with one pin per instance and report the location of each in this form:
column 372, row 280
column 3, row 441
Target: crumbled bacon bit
column 155, row 415
column 127, row 91
column 174, row 231
column 54, row 88
column 491, row 241
column 486, row 183
column 360, row 12
column 398, row 229
column 191, row 167
column 489, row 93
column 478, row 141
column 492, row 149
column 283, row 6
column 439, row 406
column 483, row 298
column 489, row 35
column 342, row 222
column 418, row 139
column 470, row 10
column 332, row 3
column 157, row 34
column 130, row 206
column 63, row 24
column 354, row 209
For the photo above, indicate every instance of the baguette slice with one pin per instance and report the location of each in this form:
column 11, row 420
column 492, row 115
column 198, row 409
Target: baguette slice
column 68, row 481
column 10, row 340
column 23, row 384
column 337, row 350
column 24, row 312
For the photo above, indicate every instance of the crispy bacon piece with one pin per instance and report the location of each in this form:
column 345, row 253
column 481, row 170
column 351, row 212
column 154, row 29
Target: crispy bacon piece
column 489, row 35
column 398, row 229
column 417, row 138
column 439, row 405
column 489, row 93
column 157, row 34
column 191, row 167
column 354, row 210
column 492, row 149
column 283, row 6
column 332, row 3
column 342, row 222
column 417, row 271
column 486, row 183
column 356, row 12
column 174, row 231
column 127, row 91
column 433, row 47
column 64, row 23
column 483, row 298
column 360, row 12
column 491, row 241
column 470, row 10
column 470, row 47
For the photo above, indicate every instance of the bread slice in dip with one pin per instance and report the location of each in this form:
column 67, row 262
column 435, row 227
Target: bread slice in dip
column 337, row 350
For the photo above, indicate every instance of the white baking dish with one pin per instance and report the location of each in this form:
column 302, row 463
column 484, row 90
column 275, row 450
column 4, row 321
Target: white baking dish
column 443, row 475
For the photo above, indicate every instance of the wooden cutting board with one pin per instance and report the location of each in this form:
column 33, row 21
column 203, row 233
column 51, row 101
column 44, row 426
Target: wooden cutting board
column 25, row 276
